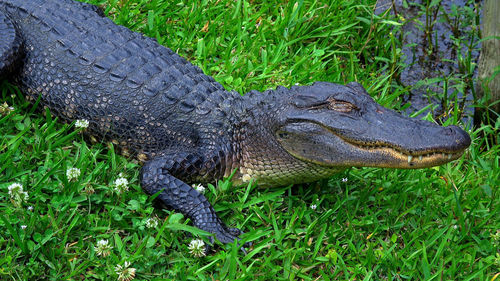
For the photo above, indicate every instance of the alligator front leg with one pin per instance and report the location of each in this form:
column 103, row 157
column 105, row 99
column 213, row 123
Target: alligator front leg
column 156, row 176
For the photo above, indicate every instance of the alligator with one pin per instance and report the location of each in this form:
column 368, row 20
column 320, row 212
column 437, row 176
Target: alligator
column 186, row 128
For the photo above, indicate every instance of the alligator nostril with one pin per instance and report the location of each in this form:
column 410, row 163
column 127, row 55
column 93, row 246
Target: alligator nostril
column 461, row 137
column 450, row 130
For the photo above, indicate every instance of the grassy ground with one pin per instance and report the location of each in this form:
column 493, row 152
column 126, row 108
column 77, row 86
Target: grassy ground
column 369, row 224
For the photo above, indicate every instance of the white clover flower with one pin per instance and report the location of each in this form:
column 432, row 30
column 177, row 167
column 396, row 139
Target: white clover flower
column 313, row 207
column 16, row 189
column 72, row 174
column 151, row 223
column 125, row 273
column 197, row 248
column 199, row 187
column 121, row 185
column 103, row 248
column 344, row 179
column 17, row 193
column 5, row 109
column 23, row 226
column 82, row 123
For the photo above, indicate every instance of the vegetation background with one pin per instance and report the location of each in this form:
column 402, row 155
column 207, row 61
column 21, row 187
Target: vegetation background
column 441, row 223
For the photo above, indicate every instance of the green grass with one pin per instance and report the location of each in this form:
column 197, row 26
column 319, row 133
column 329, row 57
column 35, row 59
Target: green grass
column 431, row 224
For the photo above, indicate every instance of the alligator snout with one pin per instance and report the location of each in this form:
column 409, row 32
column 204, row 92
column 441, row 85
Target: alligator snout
column 462, row 139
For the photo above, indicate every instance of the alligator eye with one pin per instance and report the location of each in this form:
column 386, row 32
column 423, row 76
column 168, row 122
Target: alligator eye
column 341, row 106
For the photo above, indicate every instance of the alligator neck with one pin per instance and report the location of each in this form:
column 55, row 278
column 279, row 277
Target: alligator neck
column 258, row 155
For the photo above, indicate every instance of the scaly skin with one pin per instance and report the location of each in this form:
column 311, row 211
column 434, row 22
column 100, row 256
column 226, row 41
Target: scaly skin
column 185, row 127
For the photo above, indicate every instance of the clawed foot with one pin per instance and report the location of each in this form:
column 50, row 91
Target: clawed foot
column 157, row 180
column 224, row 234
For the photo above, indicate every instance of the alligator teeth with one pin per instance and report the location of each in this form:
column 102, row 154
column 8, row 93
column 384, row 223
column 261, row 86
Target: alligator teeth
column 409, row 158
column 420, row 158
column 449, row 156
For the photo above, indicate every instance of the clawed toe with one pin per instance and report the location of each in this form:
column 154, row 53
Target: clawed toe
column 225, row 235
column 235, row 231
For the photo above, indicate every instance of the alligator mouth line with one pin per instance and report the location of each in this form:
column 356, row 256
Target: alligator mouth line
column 449, row 154
column 387, row 155
column 412, row 158
column 417, row 159
column 423, row 153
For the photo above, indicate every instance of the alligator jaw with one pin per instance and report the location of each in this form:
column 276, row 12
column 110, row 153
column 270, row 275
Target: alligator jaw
column 406, row 160
column 324, row 146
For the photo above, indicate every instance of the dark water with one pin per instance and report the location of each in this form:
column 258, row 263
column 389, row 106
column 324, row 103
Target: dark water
column 440, row 44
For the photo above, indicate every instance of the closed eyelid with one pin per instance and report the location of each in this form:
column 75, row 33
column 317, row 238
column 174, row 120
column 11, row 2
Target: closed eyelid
column 340, row 105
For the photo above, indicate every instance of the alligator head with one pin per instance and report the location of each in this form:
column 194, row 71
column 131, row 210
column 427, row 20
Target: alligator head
column 333, row 127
